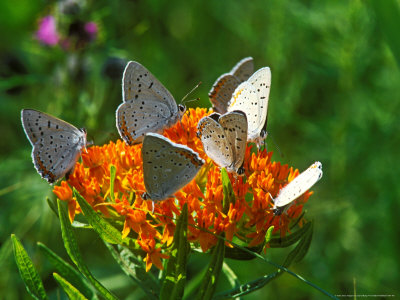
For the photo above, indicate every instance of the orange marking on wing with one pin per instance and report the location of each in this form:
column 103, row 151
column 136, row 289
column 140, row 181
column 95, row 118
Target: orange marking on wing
column 125, row 131
column 217, row 87
column 235, row 97
column 43, row 169
column 193, row 158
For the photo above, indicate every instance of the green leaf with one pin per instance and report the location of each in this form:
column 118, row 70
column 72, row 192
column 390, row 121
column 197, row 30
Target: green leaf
column 71, row 291
column 290, row 239
column 72, row 248
column 209, row 283
column 175, row 278
column 29, row 275
column 113, row 172
column 106, row 231
column 268, row 235
column 298, row 253
column 241, row 254
column 68, row 272
column 230, row 275
column 295, row 255
column 135, row 269
column 229, row 195
column 52, row 204
column 247, row 287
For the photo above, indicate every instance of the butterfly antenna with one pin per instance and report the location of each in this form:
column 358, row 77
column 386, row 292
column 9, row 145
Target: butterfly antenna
column 192, row 90
column 276, row 145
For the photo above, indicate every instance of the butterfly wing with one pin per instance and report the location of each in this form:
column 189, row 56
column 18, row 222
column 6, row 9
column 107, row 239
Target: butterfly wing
column 261, row 80
column 57, row 145
column 144, row 99
column 252, row 97
column 215, row 143
column 221, row 92
column 167, row 167
column 135, row 119
column 299, row 185
column 235, row 128
column 243, row 69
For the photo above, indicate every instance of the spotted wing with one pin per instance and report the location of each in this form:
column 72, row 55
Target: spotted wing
column 144, row 99
column 167, row 166
column 139, row 84
column 251, row 97
column 135, row 119
column 261, row 80
column 235, row 128
column 221, row 92
column 56, row 144
column 299, row 185
column 215, row 143
column 243, row 69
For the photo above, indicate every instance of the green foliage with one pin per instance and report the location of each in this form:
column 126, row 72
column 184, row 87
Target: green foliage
column 209, row 284
column 334, row 97
column 69, row 289
column 175, row 274
column 77, row 280
column 74, row 253
column 106, row 231
column 29, row 275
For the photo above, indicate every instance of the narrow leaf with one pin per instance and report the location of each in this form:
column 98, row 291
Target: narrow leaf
column 247, row 287
column 242, row 254
column 113, row 172
column 71, row 291
column 209, row 283
column 230, row 275
column 135, row 269
column 29, row 275
column 72, row 248
column 268, row 235
column 229, row 195
column 174, row 282
column 298, row 253
column 52, row 204
column 290, row 239
column 106, row 231
column 68, row 272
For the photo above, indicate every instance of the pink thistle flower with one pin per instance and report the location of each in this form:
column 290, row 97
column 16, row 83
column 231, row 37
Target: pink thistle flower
column 47, row 32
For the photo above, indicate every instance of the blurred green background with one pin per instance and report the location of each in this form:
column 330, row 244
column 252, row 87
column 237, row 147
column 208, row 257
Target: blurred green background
column 334, row 98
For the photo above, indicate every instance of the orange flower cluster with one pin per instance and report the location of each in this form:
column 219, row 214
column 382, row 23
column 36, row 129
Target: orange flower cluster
column 248, row 217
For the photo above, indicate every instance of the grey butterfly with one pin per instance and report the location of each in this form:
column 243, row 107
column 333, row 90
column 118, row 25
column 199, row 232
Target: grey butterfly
column 57, row 145
column 147, row 105
column 167, row 166
column 225, row 85
column 252, row 97
column 224, row 139
column 297, row 187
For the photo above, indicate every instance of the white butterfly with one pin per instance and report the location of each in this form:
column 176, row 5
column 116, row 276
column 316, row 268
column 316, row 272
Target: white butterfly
column 57, row 145
column 223, row 88
column 167, row 166
column 224, row 139
column 252, row 97
column 297, row 187
column 147, row 105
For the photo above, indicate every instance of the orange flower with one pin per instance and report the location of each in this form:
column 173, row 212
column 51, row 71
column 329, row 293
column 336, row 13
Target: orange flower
column 247, row 218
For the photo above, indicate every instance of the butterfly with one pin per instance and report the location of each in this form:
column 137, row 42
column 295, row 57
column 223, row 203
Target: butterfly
column 252, row 97
column 57, row 145
column 224, row 139
column 225, row 85
column 167, row 166
column 297, row 187
column 147, row 105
